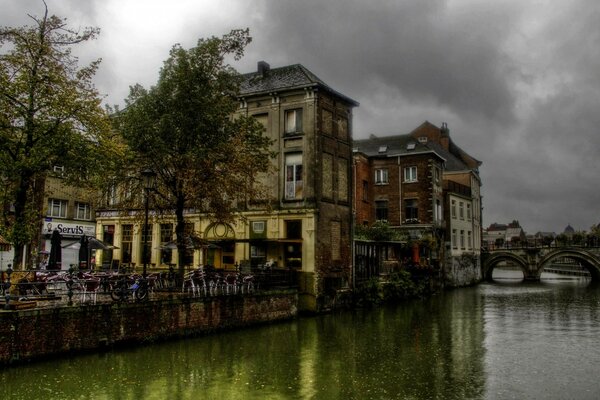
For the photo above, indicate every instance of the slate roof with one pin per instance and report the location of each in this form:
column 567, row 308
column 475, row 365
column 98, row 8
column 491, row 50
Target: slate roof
column 285, row 78
column 453, row 163
column 395, row 145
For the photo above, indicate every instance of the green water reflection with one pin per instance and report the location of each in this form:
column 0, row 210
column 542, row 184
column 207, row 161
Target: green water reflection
column 447, row 347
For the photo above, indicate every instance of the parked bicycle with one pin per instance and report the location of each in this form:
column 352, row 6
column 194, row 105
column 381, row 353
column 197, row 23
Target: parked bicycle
column 127, row 287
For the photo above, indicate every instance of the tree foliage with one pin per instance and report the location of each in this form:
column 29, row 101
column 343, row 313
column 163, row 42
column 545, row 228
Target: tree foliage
column 50, row 114
column 184, row 129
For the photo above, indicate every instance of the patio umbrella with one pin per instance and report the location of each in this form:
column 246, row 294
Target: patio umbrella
column 83, row 252
column 55, row 251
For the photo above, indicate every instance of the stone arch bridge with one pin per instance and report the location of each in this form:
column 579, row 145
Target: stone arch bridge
column 532, row 260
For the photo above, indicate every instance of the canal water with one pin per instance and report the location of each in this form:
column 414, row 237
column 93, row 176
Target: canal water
column 501, row 340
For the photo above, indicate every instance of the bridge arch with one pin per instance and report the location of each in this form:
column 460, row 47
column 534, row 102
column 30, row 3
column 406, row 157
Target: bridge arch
column 494, row 259
column 588, row 260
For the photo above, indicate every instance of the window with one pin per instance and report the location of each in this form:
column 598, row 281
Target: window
column 293, row 176
column 453, row 209
column 462, row 239
column 166, row 236
column 126, row 243
column 411, row 210
column 438, row 211
column 293, row 229
column 436, row 174
column 258, row 226
column 111, row 195
column 57, row 208
column 461, row 210
column 365, row 190
column 293, row 121
column 59, row 169
column 83, row 211
column 146, row 237
column 410, row 174
column 454, row 244
column 381, row 176
column 381, row 210
column 468, row 212
column 469, row 240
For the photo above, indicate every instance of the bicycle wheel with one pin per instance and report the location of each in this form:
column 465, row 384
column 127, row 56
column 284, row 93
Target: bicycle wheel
column 141, row 293
column 115, row 294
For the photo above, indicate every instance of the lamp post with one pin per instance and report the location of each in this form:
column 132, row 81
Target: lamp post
column 148, row 180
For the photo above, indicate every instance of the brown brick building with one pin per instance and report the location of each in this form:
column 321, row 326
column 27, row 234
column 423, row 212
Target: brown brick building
column 425, row 186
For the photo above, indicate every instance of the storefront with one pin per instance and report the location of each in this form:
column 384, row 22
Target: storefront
column 71, row 232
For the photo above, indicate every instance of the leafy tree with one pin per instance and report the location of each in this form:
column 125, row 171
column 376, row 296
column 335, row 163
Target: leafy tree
column 50, row 114
column 184, row 129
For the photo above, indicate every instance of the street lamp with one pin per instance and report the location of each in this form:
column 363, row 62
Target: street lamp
column 148, row 180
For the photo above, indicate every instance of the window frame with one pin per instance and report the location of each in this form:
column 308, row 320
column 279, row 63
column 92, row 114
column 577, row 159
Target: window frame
column 379, row 209
column 411, row 174
column 294, row 187
column 87, row 211
column 413, row 205
column 63, row 206
column 382, row 176
column 297, row 128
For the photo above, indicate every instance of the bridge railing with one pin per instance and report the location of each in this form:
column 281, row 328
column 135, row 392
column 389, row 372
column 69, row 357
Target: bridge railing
column 591, row 242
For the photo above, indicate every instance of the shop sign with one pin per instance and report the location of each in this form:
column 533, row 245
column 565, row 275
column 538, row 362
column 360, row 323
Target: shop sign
column 67, row 229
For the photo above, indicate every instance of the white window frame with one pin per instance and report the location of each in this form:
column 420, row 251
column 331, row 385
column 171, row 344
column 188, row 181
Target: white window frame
column 381, row 176
column 294, row 188
column 453, row 209
column 293, row 121
column 61, row 205
column 461, row 210
column 468, row 212
column 410, row 174
column 84, row 208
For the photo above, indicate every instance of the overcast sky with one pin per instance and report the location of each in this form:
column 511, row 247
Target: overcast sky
column 517, row 81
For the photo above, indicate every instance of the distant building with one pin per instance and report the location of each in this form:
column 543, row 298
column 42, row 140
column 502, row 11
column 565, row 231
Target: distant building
column 504, row 235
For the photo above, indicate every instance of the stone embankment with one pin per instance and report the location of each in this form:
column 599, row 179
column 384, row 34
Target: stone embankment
column 48, row 331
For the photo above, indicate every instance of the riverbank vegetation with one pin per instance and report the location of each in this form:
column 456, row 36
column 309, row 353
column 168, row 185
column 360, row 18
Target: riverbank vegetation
column 397, row 286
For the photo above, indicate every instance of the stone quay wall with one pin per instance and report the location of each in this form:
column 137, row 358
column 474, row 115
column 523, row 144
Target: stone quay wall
column 42, row 332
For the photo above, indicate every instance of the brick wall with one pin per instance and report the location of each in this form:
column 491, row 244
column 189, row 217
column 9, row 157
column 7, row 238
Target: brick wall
column 37, row 333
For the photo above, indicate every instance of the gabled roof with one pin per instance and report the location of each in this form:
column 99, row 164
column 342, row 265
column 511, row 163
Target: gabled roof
column 391, row 146
column 285, row 78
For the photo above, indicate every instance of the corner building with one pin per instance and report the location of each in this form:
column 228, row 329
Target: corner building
column 309, row 225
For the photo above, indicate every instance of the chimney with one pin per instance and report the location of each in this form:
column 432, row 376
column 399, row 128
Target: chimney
column 445, row 136
column 263, row 68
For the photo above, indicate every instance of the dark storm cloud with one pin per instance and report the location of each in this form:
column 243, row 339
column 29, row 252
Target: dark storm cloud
column 418, row 50
column 516, row 81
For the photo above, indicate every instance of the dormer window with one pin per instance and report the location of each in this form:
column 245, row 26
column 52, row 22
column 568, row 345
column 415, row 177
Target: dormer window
column 383, row 149
column 411, row 146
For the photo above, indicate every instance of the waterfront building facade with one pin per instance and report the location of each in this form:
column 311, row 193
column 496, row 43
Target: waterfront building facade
column 426, row 186
column 306, row 226
column 399, row 181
